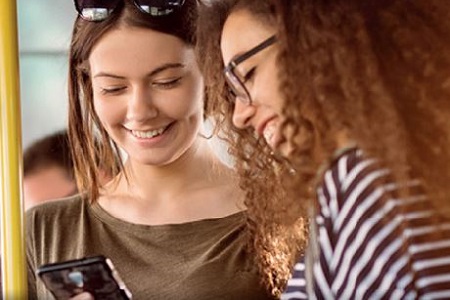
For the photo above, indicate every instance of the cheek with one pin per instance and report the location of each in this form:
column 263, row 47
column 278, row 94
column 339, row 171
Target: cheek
column 273, row 86
column 267, row 91
column 197, row 96
column 190, row 101
column 276, row 96
column 107, row 111
column 99, row 109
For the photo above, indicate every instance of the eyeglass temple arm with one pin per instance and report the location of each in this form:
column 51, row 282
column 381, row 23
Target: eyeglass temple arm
column 255, row 50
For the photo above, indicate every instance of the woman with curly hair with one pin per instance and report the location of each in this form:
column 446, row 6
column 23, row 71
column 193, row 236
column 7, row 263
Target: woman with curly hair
column 339, row 109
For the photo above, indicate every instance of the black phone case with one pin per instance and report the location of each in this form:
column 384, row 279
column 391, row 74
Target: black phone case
column 95, row 275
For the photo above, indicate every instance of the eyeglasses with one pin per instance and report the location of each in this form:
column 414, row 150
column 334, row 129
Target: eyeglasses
column 99, row 10
column 237, row 86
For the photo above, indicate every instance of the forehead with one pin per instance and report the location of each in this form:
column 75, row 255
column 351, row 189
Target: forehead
column 130, row 48
column 241, row 32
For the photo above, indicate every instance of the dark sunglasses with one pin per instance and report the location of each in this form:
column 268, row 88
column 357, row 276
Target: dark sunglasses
column 237, row 86
column 99, row 10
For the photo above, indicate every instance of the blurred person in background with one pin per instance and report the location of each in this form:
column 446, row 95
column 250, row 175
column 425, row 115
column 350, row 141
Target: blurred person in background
column 48, row 172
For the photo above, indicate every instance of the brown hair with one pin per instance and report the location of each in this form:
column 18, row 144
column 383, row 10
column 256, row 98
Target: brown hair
column 379, row 69
column 84, row 126
column 274, row 224
column 51, row 150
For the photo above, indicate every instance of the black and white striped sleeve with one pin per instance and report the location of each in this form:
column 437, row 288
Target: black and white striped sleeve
column 367, row 237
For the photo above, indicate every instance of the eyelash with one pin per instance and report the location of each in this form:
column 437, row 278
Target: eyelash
column 168, row 84
column 162, row 85
column 112, row 90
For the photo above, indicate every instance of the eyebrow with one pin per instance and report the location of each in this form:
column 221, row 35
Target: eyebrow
column 154, row 72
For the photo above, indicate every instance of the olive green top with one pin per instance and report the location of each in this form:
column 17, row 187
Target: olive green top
column 203, row 259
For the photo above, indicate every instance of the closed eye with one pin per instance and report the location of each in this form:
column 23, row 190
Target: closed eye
column 168, row 84
column 249, row 74
column 114, row 90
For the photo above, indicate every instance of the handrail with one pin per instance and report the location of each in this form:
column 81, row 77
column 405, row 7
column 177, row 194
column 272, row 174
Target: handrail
column 14, row 281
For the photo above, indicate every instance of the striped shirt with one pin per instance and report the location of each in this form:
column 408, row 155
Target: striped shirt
column 373, row 245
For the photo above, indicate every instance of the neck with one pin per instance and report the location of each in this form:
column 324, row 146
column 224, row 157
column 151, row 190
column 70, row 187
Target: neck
column 197, row 185
column 150, row 182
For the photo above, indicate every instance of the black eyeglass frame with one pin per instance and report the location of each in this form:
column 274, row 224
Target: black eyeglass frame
column 233, row 81
column 168, row 8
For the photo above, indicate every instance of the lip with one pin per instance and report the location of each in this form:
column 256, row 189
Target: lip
column 150, row 141
column 148, row 134
column 272, row 135
column 148, row 129
column 262, row 125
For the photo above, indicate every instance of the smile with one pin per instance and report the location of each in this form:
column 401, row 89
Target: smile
column 149, row 133
column 269, row 132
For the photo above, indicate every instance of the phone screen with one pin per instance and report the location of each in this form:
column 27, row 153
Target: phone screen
column 95, row 275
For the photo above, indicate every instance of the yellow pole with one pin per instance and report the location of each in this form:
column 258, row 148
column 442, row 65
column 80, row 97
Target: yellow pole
column 12, row 230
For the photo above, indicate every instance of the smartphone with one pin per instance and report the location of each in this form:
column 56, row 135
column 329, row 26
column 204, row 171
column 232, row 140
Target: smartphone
column 95, row 275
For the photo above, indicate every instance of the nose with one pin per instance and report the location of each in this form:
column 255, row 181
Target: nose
column 141, row 106
column 243, row 114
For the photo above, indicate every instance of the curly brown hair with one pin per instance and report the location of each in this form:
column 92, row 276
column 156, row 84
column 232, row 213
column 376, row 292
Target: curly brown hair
column 275, row 224
column 377, row 69
column 380, row 70
column 91, row 146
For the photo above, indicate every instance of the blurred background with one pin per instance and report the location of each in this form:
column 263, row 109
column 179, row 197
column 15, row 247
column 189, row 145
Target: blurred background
column 44, row 38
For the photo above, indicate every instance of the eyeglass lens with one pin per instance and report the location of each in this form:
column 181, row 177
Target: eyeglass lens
column 237, row 87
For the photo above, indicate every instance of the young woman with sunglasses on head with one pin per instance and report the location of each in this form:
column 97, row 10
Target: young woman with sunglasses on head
column 172, row 219
column 347, row 102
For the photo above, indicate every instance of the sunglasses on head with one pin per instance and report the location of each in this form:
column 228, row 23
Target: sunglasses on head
column 99, row 10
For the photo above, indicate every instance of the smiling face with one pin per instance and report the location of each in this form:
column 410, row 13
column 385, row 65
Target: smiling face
column 242, row 32
column 148, row 93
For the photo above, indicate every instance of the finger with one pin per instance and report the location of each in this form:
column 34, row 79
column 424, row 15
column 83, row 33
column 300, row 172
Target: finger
column 83, row 296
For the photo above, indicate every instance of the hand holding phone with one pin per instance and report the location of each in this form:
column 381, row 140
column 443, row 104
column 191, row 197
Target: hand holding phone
column 95, row 275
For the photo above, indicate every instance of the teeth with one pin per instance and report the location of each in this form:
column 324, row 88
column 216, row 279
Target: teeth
column 148, row 134
column 269, row 132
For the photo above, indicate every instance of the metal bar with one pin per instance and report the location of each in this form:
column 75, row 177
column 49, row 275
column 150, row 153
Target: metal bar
column 14, row 283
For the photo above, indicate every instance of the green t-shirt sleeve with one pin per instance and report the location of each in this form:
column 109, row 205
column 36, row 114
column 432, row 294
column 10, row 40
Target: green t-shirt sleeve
column 30, row 255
